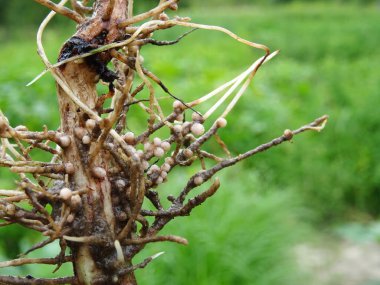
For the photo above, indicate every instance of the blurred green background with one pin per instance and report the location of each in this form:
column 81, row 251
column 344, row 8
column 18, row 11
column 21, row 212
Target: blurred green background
column 322, row 189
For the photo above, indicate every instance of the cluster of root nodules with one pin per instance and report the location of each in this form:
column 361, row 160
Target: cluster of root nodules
column 129, row 211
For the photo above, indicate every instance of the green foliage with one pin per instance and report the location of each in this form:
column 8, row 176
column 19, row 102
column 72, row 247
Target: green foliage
column 9, row 12
column 324, row 68
column 359, row 232
column 238, row 237
column 40, row 270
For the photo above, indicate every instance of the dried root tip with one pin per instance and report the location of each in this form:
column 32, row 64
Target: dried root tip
column 96, row 78
column 163, row 174
column 69, row 168
column 197, row 129
column 159, row 152
column 148, row 147
column 154, row 168
column 115, row 200
column 178, row 106
column 65, row 194
column 177, row 129
column 90, row 124
column 79, row 132
column 165, row 146
column 166, row 167
column 128, row 192
column 173, row 6
column 122, row 216
column 129, row 138
column 3, row 125
column 182, row 19
column 171, row 198
column 86, row 139
column 120, row 184
column 21, row 128
column 198, row 180
column 105, row 123
column 145, row 165
column 23, row 185
column 141, row 59
column 157, row 141
column 163, row 17
column 288, row 134
column 133, row 49
column 10, row 209
column 186, row 127
column 99, row 172
column 187, row 153
column 70, row 218
column 169, row 161
column 79, row 61
column 221, row 122
column 159, row 180
column 114, row 170
column 75, row 201
column 179, row 118
column 140, row 153
column 197, row 118
column 131, row 150
column 64, row 141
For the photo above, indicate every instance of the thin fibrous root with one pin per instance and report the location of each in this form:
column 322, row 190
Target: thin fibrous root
column 23, row 261
column 62, row 10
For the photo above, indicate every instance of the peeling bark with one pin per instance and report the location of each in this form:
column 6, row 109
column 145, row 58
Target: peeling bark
column 96, row 218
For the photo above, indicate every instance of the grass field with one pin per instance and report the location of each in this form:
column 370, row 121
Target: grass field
column 328, row 64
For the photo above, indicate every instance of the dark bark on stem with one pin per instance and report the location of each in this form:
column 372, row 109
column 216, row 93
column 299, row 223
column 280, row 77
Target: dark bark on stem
column 92, row 264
